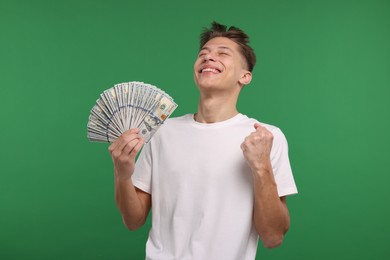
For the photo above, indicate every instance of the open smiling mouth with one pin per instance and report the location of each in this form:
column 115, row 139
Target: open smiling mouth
column 212, row 70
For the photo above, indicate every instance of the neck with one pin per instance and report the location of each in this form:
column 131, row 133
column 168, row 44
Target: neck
column 216, row 108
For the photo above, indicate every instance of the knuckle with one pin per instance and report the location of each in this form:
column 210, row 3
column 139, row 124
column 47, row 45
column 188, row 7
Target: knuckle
column 130, row 132
column 133, row 153
column 123, row 159
column 256, row 138
column 126, row 138
column 116, row 154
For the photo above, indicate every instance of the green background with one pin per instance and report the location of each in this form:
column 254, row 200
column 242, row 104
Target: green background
column 323, row 77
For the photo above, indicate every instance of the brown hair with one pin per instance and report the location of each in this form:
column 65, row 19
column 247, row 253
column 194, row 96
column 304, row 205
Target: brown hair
column 233, row 33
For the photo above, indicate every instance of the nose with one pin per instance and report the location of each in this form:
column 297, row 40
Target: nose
column 208, row 56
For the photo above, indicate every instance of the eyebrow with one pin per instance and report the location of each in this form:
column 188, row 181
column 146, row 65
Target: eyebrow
column 219, row 47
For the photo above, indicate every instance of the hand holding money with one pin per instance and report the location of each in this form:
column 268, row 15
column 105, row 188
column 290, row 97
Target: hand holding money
column 124, row 151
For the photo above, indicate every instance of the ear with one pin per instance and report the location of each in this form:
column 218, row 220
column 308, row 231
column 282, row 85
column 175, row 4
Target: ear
column 246, row 78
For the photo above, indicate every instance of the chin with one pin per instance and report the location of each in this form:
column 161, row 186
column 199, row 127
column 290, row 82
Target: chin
column 205, row 84
column 209, row 87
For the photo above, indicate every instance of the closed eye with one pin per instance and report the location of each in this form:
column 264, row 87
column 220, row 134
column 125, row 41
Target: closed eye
column 202, row 53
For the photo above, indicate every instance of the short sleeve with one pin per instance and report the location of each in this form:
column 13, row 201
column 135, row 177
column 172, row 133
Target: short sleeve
column 281, row 165
column 142, row 177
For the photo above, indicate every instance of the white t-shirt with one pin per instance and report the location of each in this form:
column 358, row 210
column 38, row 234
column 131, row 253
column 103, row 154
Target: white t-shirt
column 202, row 190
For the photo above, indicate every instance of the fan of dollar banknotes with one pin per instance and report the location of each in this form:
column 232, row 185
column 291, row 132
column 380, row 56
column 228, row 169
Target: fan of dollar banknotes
column 129, row 105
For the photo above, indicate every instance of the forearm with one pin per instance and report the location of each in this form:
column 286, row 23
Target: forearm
column 271, row 216
column 129, row 204
column 133, row 205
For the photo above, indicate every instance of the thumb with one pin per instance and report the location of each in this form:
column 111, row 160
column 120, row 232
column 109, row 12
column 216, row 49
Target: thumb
column 257, row 125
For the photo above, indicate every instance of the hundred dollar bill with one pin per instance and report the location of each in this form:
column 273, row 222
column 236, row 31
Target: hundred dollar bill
column 151, row 122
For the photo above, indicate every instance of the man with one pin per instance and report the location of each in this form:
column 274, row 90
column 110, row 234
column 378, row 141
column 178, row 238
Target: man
column 215, row 180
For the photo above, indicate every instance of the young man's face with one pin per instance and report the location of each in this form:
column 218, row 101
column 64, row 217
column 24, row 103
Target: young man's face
column 220, row 65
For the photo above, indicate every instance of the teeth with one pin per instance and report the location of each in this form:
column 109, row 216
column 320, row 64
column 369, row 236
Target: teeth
column 210, row 70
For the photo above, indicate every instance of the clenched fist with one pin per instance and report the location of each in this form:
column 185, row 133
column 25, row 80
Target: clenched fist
column 124, row 151
column 257, row 148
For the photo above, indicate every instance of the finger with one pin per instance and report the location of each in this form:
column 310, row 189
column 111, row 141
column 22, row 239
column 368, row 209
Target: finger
column 125, row 138
column 127, row 141
column 130, row 146
column 258, row 127
column 114, row 145
column 132, row 130
column 137, row 147
column 242, row 147
column 111, row 147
